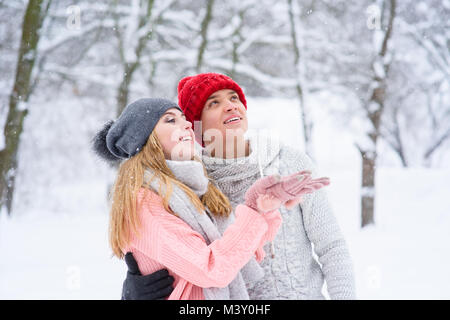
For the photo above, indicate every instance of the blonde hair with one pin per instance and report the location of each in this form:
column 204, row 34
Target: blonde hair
column 124, row 218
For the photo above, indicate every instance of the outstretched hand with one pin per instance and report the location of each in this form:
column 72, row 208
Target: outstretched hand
column 270, row 192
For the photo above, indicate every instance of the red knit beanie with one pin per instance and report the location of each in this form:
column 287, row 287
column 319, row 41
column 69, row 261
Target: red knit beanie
column 195, row 90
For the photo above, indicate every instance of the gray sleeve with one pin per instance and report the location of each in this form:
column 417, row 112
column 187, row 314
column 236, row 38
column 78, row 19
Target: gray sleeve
column 323, row 231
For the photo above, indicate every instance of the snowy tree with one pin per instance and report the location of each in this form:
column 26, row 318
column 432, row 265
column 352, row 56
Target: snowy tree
column 52, row 44
column 417, row 124
column 140, row 21
column 374, row 107
column 204, row 34
column 361, row 64
column 300, row 72
column 35, row 14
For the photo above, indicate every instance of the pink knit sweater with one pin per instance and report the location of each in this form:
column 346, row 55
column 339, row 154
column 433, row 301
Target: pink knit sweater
column 166, row 241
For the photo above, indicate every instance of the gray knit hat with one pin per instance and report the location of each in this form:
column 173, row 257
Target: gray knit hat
column 125, row 137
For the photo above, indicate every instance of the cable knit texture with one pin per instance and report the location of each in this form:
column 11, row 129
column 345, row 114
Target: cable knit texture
column 195, row 261
column 293, row 273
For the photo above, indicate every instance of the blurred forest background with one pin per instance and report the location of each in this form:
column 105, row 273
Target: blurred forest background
column 67, row 65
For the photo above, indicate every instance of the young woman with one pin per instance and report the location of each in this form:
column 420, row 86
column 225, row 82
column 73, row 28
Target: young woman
column 217, row 107
column 169, row 215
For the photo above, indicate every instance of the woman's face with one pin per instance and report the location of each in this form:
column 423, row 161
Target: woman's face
column 225, row 114
column 175, row 135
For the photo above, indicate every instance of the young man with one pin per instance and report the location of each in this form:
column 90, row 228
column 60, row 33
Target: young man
column 217, row 107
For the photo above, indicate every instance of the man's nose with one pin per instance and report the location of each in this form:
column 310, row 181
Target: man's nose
column 230, row 106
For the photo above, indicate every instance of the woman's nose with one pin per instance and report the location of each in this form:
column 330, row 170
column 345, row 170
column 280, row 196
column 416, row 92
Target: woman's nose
column 187, row 125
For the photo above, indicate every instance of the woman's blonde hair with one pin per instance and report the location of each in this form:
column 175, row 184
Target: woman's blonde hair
column 124, row 218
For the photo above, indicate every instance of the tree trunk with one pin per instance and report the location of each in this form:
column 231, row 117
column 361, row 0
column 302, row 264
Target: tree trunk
column 129, row 67
column 300, row 73
column 237, row 39
column 374, row 109
column 124, row 88
column 204, row 34
column 32, row 22
column 368, row 189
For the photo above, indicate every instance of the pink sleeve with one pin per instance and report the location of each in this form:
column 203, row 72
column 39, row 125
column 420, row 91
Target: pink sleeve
column 274, row 220
column 170, row 241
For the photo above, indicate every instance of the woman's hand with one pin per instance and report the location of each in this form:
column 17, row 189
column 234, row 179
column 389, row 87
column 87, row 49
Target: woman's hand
column 296, row 191
column 270, row 192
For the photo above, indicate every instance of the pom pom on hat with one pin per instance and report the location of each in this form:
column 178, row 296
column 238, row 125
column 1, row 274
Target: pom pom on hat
column 100, row 147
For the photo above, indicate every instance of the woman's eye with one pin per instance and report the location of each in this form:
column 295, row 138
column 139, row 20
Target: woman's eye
column 234, row 97
column 213, row 103
column 170, row 120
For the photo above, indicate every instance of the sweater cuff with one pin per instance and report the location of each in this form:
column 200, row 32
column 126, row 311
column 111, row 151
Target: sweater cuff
column 247, row 215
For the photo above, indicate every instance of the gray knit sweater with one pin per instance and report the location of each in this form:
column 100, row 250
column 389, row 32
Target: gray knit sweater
column 292, row 273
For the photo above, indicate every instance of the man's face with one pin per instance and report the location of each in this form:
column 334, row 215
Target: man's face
column 225, row 114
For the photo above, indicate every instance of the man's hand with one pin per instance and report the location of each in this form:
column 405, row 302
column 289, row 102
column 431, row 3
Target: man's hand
column 155, row 286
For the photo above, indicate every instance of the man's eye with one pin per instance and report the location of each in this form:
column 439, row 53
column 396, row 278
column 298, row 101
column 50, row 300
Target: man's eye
column 170, row 120
column 234, row 97
column 213, row 103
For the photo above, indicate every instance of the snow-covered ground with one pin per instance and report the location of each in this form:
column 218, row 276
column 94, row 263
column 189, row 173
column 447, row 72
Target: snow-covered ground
column 406, row 255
